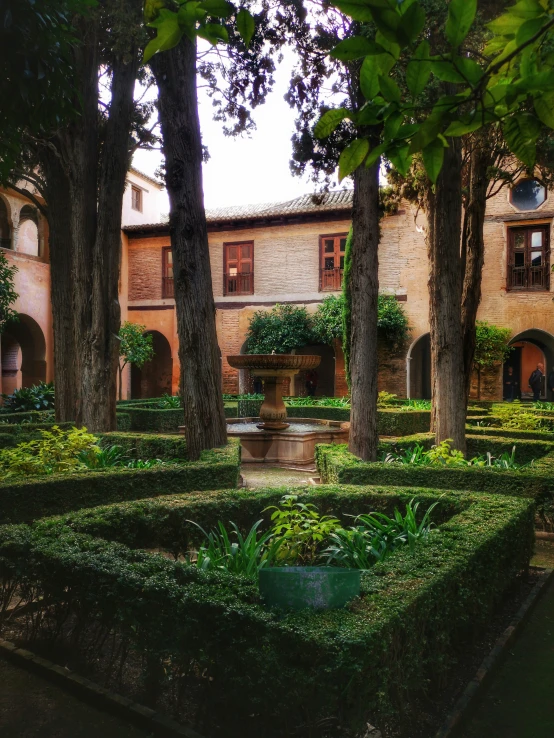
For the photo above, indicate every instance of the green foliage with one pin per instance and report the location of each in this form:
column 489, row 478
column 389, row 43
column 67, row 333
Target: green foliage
column 23, row 500
column 491, row 345
column 244, row 555
column 135, row 345
column 506, row 85
column 318, row 402
column 57, row 451
column 300, row 529
column 279, row 330
column 392, row 322
column 376, row 536
column 443, row 454
column 517, row 416
column 188, row 621
column 147, row 419
column 385, row 399
column 167, row 402
column 192, row 18
column 38, row 397
column 8, row 295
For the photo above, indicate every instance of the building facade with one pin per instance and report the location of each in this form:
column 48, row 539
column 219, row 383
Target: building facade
column 292, row 253
column 26, row 346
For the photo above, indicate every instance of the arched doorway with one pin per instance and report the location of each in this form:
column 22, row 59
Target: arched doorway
column 322, row 380
column 418, row 368
column 154, row 379
column 529, row 348
column 23, row 354
column 5, row 230
column 27, row 239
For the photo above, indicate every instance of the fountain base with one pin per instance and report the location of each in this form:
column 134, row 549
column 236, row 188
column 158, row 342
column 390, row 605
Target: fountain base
column 273, row 426
column 293, row 445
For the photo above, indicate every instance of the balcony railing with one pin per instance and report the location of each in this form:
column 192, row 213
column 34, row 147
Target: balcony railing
column 330, row 279
column 167, row 287
column 528, row 277
column 238, row 284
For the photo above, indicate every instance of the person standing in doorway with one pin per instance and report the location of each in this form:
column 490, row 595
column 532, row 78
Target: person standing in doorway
column 535, row 381
column 511, row 386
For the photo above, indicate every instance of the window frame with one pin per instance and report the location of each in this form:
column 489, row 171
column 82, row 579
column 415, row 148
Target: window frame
column 322, row 239
column 167, row 294
column 526, row 210
column 138, row 191
column 226, row 247
column 528, row 229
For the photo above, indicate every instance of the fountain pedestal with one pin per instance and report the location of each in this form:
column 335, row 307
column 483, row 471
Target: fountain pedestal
column 270, row 438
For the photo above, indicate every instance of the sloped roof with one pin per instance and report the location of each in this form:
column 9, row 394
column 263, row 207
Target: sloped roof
column 336, row 201
column 147, row 177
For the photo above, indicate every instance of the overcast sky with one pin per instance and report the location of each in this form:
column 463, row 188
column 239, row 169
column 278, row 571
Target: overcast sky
column 247, row 169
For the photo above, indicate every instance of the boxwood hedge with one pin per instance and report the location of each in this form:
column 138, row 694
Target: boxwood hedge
column 281, row 674
column 147, row 446
column 23, row 500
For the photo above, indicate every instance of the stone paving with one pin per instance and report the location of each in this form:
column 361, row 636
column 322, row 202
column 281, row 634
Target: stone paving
column 264, row 475
column 31, row 707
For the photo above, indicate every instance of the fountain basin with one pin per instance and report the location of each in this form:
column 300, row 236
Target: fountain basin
column 274, row 368
column 294, row 445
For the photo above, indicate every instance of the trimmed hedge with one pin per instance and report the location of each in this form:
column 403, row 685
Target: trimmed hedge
column 390, row 422
column 515, row 433
column 31, row 416
column 279, row 672
column 145, row 446
column 12, row 434
column 24, row 500
column 155, row 419
column 527, row 450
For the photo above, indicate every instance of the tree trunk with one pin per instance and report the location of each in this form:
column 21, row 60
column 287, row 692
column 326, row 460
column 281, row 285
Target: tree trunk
column 445, row 291
column 61, row 285
column 199, row 354
column 473, row 251
column 364, row 290
column 86, row 236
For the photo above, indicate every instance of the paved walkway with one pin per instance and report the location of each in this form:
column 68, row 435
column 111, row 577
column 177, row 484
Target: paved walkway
column 265, row 475
column 31, row 707
column 520, row 700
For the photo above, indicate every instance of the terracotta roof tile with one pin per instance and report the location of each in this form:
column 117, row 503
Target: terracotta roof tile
column 336, row 200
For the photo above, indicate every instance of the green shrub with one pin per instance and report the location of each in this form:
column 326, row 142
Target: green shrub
column 155, row 419
column 56, row 451
column 123, row 421
column 265, row 667
column 146, row 446
column 39, row 397
column 24, row 500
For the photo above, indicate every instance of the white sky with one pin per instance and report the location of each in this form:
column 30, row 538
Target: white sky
column 247, row 169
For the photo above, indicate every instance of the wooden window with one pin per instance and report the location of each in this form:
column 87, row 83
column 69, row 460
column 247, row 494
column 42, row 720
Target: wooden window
column 528, row 258
column 238, row 268
column 331, row 261
column 167, row 273
column 136, row 198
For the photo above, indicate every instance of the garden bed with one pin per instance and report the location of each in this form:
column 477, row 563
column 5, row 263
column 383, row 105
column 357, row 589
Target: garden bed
column 30, row 498
column 203, row 642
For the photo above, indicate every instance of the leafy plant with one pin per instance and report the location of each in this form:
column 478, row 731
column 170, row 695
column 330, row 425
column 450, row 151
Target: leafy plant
column 144, row 463
column 38, row 397
column 415, row 405
column 101, row 458
column 515, row 415
column 56, row 451
column 377, row 535
column 234, row 552
column 318, row 402
column 385, row 398
column 442, row 453
column 168, row 402
column 301, row 529
column 279, row 330
column 491, row 348
column 135, row 348
column 8, row 295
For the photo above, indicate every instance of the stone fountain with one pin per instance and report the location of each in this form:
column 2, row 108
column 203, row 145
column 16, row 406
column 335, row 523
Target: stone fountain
column 271, row 438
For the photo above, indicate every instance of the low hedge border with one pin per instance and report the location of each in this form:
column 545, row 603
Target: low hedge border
column 515, row 433
column 24, row 500
column 155, row 419
column 275, row 669
column 337, row 466
column 147, row 446
column 390, row 422
column 12, row 434
column 527, row 450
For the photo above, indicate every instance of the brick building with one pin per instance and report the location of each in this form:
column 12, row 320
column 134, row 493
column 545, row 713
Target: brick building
column 288, row 253
column 292, row 253
column 26, row 347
